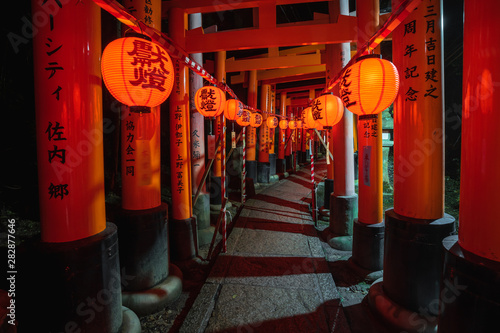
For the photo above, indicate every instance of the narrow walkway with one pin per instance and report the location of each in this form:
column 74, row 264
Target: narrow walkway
column 274, row 276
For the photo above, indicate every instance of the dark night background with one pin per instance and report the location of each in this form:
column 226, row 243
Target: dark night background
column 18, row 180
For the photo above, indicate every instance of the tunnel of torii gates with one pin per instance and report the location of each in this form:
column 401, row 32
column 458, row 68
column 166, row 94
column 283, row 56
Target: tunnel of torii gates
column 425, row 266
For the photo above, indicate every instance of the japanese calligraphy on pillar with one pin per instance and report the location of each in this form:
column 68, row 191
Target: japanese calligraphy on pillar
column 69, row 124
column 178, row 136
column 129, row 144
column 369, row 126
column 57, row 138
column 418, row 114
column 142, row 10
column 196, row 147
column 420, row 55
column 55, row 128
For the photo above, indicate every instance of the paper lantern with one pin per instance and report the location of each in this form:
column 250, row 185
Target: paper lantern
column 255, row 119
column 272, row 121
column 283, row 124
column 210, row 101
column 298, row 124
column 369, row 86
column 292, row 124
column 327, row 110
column 244, row 119
column 137, row 72
column 233, row 109
column 309, row 121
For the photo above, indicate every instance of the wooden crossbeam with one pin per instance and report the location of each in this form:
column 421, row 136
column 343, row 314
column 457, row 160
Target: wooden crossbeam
column 344, row 31
column 273, row 62
column 210, row 6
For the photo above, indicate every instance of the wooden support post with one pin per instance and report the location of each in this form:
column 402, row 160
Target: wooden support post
column 475, row 259
column 251, row 143
column 368, row 229
column 183, row 237
column 77, row 245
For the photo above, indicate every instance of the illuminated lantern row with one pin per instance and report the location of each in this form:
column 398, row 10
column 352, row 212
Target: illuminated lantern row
column 327, row 110
column 369, row 86
column 233, row 110
column 210, row 101
column 283, row 124
column 292, row 124
column 255, row 119
column 244, row 119
column 137, row 72
column 272, row 121
column 298, row 124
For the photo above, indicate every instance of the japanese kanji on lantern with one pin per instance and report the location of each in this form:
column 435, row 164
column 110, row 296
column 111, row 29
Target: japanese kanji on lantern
column 233, row 109
column 137, row 72
column 244, row 119
column 309, row 121
column 327, row 110
column 283, row 124
column 369, row 86
column 272, row 121
column 210, row 101
column 255, row 119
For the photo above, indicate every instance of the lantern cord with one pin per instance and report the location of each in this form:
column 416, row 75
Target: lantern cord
column 124, row 16
column 323, row 143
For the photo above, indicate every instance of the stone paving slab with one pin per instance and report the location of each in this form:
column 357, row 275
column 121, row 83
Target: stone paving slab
column 246, row 308
column 196, row 321
column 273, row 242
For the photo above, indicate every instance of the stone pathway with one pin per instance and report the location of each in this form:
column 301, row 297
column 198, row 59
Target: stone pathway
column 274, row 276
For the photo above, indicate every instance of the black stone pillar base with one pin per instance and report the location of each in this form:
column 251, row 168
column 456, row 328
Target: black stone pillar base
column 289, row 163
column 413, row 260
column 215, row 190
column 301, row 157
column 368, row 245
column 70, row 286
column 280, row 166
column 263, row 169
column 251, row 169
column 343, row 211
column 183, row 239
column 154, row 299
column 356, row 171
column 328, row 192
column 202, row 212
column 470, row 291
column 143, row 238
column 272, row 164
column 398, row 318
